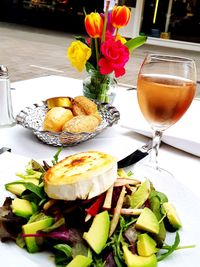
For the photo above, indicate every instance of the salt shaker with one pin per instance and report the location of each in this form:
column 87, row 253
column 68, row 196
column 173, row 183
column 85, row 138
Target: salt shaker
column 6, row 112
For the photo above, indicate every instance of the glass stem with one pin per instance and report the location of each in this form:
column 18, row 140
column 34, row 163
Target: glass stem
column 157, row 136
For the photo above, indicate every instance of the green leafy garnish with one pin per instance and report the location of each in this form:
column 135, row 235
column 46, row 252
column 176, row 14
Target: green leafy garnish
column 170, row 249
column 37, row 190
column 63, row 255
column 64, row 248
column 56, row 156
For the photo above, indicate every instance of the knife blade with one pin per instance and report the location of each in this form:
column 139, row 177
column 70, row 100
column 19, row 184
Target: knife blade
column 136, row 156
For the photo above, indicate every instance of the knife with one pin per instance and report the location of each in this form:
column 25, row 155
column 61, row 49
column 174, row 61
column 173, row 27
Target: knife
column 136, row 156
column 4, row 149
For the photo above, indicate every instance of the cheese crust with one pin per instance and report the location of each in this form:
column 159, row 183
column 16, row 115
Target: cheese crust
column 81, row 176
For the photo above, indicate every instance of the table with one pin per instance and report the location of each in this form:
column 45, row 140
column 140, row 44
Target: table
column 118, row 141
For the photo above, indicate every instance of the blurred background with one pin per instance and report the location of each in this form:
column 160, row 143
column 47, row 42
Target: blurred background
column 35, row 34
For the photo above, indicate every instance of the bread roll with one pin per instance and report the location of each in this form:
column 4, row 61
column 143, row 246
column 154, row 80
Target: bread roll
column 82, row 123
column 77, row 110
column 86, row 104
column 55, row 119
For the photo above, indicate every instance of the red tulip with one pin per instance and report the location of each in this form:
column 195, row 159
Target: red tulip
column 120, row 16
column 94, row 24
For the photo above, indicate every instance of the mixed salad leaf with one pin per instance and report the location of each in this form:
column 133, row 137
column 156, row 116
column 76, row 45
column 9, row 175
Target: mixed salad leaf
column 124, row 226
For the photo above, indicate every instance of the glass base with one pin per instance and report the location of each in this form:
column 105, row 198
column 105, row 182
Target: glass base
column 159, row 177
column 7, row 124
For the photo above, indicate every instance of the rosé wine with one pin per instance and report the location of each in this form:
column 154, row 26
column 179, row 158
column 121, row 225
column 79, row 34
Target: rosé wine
column 163, row 99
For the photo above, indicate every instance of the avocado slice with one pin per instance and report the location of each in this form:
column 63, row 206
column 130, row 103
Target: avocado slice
column 22, row 207
column 133, row 260
column 98, row 233
column 146, row 246
column 147, row 221
column 80, row 261
column 32, row 228
column 18, row 188
column 138, row 198
column 155, row 203
column 172, row 217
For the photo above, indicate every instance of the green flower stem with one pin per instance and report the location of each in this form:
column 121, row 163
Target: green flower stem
column 105, row 21
column 117, row 30
column 96, row 50
column 98, row 86
column 102, row 96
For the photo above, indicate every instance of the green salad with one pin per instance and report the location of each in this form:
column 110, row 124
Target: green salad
column 124, row 226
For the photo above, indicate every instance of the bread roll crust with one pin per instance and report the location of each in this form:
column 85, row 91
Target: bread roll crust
column 55, row 119
column 82, row 123
column 77, row 109
column 86, row 104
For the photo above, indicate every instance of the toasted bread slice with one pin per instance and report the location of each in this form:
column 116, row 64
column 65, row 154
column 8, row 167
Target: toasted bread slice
column 81, row 176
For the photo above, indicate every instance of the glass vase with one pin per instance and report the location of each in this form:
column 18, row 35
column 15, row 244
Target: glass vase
column 99, row 87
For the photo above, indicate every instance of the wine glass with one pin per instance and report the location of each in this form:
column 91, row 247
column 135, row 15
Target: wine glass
column 165, row 89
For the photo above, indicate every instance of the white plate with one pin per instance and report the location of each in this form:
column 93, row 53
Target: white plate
column 186, row 204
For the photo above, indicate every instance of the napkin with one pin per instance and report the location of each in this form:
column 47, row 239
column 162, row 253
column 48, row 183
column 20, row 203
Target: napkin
column 184, row 135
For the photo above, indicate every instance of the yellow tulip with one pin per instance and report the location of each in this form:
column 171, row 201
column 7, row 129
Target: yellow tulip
column 78, row 53
column 120, row 38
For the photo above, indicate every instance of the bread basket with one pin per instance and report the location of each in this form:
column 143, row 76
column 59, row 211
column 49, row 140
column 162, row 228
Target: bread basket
column 32, row 118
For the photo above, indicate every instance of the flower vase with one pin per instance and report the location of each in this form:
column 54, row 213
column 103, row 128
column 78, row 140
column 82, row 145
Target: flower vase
column 99, row 87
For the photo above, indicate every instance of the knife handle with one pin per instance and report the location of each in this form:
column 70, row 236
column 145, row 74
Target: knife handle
column 131, row 159
column 4, row 149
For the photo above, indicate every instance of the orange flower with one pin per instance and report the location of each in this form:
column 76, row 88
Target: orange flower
column 94, row 24
column 120, row 16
